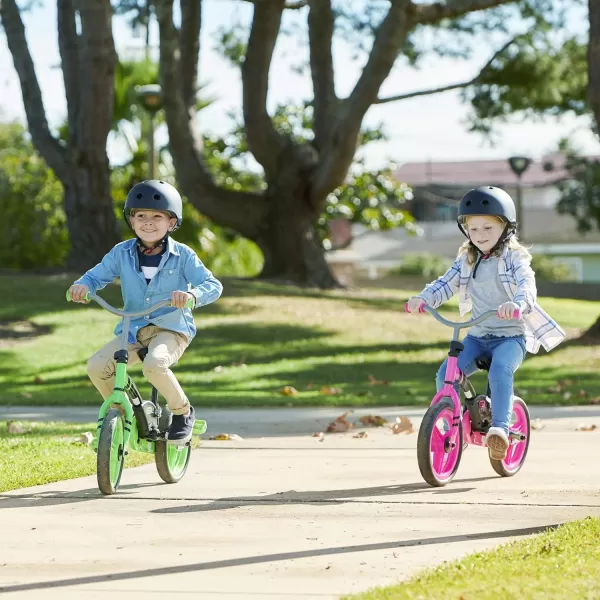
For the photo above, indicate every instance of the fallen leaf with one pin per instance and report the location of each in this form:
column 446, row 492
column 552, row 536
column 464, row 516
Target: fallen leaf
column 586, row 427
column 582, row 393
column 288, row 390
column 319, row 434
column 567, row 395
column 38, row 380
column 86, row 438
column 218, row 369
column 240, row 363
column 15, row 428
column 373, row 420
column 595, row 400
column 341, row 424
column 402, row 425
column 331, row 391
column 226, row 437
column 537, row 424
column 374, row 381
column 361, row 434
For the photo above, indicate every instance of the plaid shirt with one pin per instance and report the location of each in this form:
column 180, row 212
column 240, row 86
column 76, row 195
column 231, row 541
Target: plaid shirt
column 518, row 278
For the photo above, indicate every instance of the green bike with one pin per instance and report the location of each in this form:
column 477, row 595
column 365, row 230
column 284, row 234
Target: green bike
column 126, row 421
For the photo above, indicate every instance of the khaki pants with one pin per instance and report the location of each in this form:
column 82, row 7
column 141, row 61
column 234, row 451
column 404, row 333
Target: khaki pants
column 164, row 348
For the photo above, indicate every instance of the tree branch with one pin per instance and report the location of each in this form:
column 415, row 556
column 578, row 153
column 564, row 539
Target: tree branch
column 339, row 154
column 189, row 42
column 97, row 62
column 53, row 153
column 454, row 86
column 263, row 140
column 68, row 45
column 426, row 14
column 243, row 212
column 320, row 36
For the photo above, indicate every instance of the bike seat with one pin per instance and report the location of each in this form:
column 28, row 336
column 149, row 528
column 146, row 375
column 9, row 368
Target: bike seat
column 143, row 352
column 484, row 363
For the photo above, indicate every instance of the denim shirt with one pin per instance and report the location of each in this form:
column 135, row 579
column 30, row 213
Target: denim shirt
column 179, row 269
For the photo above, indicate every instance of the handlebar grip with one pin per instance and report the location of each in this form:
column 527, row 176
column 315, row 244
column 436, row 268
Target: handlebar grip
column 86, row 297
column 517, row 314
column 421, row 308
column 191, row 303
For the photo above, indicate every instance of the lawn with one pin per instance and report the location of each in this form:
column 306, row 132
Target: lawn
column 347, row 348
column 48, row 452
column 560, row 563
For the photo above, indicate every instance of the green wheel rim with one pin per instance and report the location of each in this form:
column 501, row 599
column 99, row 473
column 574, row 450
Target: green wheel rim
column 116, row 451
column 177, row 458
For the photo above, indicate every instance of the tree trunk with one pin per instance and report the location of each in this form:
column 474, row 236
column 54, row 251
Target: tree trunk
column 93, row 228
column 592, row 335
column 291, row 245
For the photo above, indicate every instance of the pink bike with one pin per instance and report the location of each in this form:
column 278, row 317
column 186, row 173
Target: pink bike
column 448, row 428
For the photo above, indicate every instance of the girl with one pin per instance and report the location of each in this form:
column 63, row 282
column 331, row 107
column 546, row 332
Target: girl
column 493, row 272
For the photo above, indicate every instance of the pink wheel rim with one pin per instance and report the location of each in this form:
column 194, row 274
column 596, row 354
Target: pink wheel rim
column 516, row 451
column 443, row 463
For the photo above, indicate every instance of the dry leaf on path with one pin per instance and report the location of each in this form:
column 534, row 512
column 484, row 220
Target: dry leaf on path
column 402, row 425
column 537, row 424
column 341, row 424
column 373, row 420
column 86, row 438
column 319, row 434
column 586, row 427
column 226, row 437
column 361, row 434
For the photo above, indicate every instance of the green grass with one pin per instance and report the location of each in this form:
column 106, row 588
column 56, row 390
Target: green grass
column 560, row 563
column 259, row 338
column 49, row 452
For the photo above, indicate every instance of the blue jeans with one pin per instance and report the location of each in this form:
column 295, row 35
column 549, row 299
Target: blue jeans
column 506, row 354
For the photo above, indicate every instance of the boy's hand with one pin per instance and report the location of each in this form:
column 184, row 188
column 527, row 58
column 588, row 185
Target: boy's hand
column 179, row 299
column 414, row 304
column 78, row 293
column 507, row 310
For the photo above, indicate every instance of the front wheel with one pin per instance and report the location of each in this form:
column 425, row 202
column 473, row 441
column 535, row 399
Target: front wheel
column 111, row 452
column 520, row 427
column 172, row 460
column 438, row 458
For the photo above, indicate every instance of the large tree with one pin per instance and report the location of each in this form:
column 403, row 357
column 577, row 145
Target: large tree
column 88, row 61
column 298, row 176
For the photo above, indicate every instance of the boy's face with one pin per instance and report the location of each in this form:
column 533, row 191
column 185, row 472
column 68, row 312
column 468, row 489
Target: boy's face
column 151, row 226
column 484, row 231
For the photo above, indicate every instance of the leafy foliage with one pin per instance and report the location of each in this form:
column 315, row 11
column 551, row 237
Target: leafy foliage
column 33, row 231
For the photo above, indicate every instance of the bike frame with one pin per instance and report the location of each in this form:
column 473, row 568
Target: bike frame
column 454, row 374
column 120, row 398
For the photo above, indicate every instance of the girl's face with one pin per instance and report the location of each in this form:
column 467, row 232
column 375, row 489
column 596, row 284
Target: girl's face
column 151, row 226
column 484, row 231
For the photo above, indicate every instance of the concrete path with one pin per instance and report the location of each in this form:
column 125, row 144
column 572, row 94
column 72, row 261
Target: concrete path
column 283, row 515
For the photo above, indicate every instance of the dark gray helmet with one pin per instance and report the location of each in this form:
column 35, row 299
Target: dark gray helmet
column 490, row 201
column 154, row 195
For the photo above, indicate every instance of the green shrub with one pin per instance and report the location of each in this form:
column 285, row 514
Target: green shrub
column 548, row 269
column 424, row 264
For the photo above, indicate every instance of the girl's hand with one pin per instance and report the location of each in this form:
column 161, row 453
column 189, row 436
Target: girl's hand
column 179, row 299
column 414, row 304
column 78, row 293
column 507, row 310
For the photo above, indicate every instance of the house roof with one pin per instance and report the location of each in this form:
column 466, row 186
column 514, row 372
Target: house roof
column 545, row 171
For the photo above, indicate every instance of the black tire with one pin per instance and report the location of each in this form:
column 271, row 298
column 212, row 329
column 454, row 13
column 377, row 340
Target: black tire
column 171, row 464
column 109, row 468
column 499, row 465
column 424, row 443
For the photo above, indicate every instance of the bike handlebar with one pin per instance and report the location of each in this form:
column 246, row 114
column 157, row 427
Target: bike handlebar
column 121, row 313
column 460, row 324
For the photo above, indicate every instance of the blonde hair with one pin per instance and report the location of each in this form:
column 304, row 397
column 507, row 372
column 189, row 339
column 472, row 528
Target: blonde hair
column 512, row 243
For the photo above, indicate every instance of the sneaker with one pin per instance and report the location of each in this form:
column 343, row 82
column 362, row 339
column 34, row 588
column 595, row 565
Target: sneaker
column 182, row 427
column 497, row 442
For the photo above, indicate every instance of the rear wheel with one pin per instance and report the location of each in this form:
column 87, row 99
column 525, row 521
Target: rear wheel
column 111, row 452
column 520, row 427
column 172, row 460
column 438, row 458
